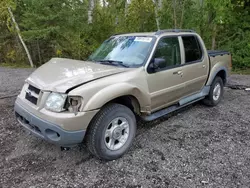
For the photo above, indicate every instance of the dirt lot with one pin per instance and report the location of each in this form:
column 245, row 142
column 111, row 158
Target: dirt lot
column 195, row 147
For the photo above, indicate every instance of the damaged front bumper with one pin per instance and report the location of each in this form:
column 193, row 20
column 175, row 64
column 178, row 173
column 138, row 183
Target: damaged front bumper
column 47, row 130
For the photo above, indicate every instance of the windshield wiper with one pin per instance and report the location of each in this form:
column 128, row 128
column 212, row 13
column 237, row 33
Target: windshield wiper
column 114, row 62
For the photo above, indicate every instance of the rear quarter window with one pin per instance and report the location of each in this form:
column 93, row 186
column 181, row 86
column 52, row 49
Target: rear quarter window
column 192, row 49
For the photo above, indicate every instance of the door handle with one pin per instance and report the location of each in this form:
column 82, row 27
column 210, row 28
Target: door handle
column 203, row 66
column 178, row 72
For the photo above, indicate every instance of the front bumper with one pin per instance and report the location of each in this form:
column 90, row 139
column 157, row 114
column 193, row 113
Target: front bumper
column 46, row 130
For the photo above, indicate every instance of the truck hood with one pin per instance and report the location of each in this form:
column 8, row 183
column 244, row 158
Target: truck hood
column 60, row 74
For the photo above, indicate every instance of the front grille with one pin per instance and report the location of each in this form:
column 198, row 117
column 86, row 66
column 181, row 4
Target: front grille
column 30, row 98
column 32, row 94
column 32, row 88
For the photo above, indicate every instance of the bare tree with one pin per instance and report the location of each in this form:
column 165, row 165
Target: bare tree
column 157, row 19
column 174, row 14
column 202, row 20
column 160, row 4
column 182, row 13
column 214, row 36
column 212, row 23
column 90, row 11
column 20, row 37
column 126, row 7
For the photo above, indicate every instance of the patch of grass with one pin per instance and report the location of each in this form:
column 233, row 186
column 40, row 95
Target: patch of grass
column 15, row 65
column 241, row 71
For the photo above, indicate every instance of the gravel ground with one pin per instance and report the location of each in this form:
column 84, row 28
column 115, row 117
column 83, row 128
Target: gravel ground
column 195, row 147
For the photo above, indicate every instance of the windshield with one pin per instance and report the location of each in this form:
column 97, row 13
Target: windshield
column 131, row 51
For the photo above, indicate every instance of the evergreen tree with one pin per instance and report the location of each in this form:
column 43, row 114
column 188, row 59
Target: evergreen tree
column 75, row 28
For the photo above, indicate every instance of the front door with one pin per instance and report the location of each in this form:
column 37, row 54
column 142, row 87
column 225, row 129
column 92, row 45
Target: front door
column 165, row 83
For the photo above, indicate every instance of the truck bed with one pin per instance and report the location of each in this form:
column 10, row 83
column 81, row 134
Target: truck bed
column 214, row 53
column 220, row 58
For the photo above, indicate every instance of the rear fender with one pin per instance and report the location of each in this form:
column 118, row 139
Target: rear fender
column 215, row 70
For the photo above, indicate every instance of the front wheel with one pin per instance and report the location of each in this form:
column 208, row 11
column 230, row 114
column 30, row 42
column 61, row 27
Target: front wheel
column 215, row 93
column 111, row 132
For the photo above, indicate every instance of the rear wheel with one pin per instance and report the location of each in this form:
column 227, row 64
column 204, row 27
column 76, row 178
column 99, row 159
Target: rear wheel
column 111, row 132
column 215, row 93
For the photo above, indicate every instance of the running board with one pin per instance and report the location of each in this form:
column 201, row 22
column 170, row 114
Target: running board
column 182, row 103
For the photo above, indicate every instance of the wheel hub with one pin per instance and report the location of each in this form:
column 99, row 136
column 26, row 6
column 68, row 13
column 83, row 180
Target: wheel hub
column 217, row 92
column 117, row 133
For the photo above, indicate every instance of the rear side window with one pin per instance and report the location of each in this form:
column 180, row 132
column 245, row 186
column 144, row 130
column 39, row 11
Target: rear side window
column 192, row 49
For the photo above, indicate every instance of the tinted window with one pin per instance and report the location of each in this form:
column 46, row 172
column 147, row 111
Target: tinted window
column 192, row 49
column 168, row 50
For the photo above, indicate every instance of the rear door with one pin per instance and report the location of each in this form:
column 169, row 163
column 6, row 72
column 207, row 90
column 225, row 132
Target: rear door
column 165, row 84
column 196, row 66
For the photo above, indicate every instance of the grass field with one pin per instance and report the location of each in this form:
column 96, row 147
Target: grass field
column 15, row 65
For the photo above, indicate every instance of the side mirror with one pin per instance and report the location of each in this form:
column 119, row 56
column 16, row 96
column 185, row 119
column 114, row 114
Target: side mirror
column 157, row 63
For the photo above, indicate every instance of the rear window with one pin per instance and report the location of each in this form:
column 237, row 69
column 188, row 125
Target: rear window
column 192, row 49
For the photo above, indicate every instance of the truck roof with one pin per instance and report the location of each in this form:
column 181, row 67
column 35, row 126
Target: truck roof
column 159, row 33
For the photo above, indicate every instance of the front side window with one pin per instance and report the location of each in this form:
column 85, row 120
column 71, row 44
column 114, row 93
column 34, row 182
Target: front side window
column 192, row 49
column 132, row 51
column 168, row 52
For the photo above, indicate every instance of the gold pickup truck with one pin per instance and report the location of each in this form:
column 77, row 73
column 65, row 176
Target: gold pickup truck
column 130, row 76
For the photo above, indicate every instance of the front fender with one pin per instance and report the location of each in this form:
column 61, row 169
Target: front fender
column 111, row 92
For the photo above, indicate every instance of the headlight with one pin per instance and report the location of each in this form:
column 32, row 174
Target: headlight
column 55, row 102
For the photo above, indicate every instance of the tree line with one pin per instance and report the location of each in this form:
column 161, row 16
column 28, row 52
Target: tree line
column 34, row 31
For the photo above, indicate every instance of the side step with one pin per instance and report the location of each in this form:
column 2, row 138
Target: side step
column 182, row 103
column 168, row 110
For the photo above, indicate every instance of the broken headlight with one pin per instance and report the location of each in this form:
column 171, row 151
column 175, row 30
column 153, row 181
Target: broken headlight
column 74, row 103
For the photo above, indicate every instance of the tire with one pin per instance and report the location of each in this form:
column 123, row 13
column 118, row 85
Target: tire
column 215, row 93
column 111, row 132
